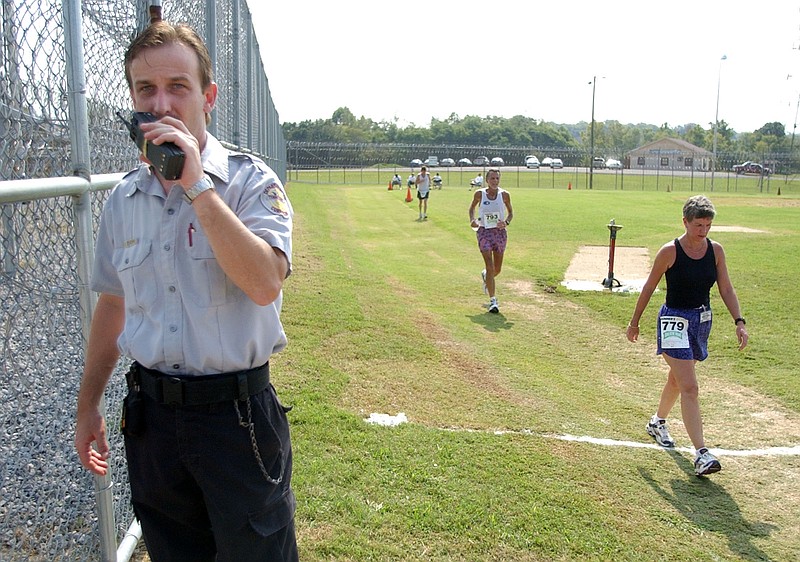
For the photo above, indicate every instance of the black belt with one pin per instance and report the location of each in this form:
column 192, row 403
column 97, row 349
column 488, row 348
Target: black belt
column 198, row 390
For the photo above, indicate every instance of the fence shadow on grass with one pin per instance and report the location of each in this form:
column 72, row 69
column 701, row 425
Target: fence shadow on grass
column 707, row 506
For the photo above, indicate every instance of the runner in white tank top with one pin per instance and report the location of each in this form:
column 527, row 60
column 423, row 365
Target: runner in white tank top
column 491, row 213
column 423, row 182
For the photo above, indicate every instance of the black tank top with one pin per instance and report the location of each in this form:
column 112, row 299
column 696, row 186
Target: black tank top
column 689, row 281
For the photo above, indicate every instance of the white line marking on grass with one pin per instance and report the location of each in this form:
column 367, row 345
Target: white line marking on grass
column 769, row 451
column 389, row 420
column 386, row 419
column 613, row 442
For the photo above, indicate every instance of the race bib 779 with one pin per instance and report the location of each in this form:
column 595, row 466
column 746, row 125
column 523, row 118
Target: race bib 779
column 674, row 332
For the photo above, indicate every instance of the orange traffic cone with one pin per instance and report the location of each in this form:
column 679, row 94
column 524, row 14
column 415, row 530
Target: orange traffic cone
column 408, row 195
column 569, row 186
column 390, row 186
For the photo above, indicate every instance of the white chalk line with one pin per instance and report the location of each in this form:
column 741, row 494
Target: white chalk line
column 388, row 420
column 606, row 442
column 768, row 451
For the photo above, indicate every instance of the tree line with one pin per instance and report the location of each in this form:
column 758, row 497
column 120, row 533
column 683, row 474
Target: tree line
column 611, row 138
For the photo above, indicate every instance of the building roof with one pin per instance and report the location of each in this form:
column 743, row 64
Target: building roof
column 667, row 145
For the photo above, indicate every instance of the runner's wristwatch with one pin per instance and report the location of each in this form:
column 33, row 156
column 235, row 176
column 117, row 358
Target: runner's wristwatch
column 740, row 319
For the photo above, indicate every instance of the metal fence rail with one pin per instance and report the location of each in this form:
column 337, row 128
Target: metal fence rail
column 61, row 148
column 47, row 505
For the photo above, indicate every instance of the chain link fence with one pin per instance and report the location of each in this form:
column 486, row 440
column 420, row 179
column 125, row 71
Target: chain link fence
column 332, row 162
column 46, row 498
column 50, row 507
column 305, row 155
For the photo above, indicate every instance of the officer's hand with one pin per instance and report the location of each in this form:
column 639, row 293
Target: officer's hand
column 91, row 427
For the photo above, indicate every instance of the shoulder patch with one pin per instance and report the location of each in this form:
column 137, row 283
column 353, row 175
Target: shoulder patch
column 275, row 201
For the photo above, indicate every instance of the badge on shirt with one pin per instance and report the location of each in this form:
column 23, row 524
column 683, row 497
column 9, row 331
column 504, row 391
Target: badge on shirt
column 274, row 200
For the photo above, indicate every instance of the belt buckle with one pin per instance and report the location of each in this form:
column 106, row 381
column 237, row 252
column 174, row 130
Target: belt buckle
column 172, row 391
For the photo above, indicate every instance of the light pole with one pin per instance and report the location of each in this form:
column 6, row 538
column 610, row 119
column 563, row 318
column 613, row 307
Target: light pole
column 716, row 123
column 794, row 129
column 591, row 135
column 791, row 144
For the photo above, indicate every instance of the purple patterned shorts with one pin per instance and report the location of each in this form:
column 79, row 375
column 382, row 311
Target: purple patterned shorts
column 492, row 239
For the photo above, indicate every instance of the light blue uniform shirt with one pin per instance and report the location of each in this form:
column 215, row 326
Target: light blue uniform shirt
column 183, row 315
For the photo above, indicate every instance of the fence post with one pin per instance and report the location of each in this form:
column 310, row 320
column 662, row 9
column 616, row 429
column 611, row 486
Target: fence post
column 236, row 88
column 248, row 78
column 211, row 45
column 84, row 239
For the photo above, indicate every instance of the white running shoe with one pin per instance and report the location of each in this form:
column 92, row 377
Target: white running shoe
column 660, row 433
column 493, row 308
column 706, row 463
column 483, row 276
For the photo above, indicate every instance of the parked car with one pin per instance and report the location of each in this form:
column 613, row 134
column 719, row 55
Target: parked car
column 556, row 163
column 431, row 161
column 752, row 168
column 613, row 164
column 497, row 161
column 464, row 162
column 481, row 161
column 546, row 161
column 448, row 162
column 531, row 161
column 598, row 162
column 416, row 163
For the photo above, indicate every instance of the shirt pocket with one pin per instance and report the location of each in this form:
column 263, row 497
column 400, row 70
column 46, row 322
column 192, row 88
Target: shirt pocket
column 207, row 285
column 136, row 269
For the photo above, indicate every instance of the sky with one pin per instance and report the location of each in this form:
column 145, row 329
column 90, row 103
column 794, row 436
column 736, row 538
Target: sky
column 654, row 62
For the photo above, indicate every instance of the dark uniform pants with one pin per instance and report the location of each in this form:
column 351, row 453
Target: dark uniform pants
column 198, row 488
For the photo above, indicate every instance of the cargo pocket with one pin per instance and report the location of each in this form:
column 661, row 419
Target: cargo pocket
column 273, row 518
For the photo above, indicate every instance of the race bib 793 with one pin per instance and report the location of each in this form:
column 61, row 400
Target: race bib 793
column 490, row 220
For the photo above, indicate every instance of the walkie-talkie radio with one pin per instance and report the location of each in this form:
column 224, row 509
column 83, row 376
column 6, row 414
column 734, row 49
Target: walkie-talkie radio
column 167, row 158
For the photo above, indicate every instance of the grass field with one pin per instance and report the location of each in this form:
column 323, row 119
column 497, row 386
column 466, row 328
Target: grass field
column 384, row 314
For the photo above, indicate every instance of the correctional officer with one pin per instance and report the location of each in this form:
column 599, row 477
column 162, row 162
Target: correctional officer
column 190, row 274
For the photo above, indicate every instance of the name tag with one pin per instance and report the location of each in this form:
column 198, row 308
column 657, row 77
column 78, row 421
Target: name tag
column 490, row 220
column 674, row 332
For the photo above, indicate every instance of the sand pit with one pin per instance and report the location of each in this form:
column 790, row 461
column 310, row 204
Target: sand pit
column 715, row 228
column 589, row 267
